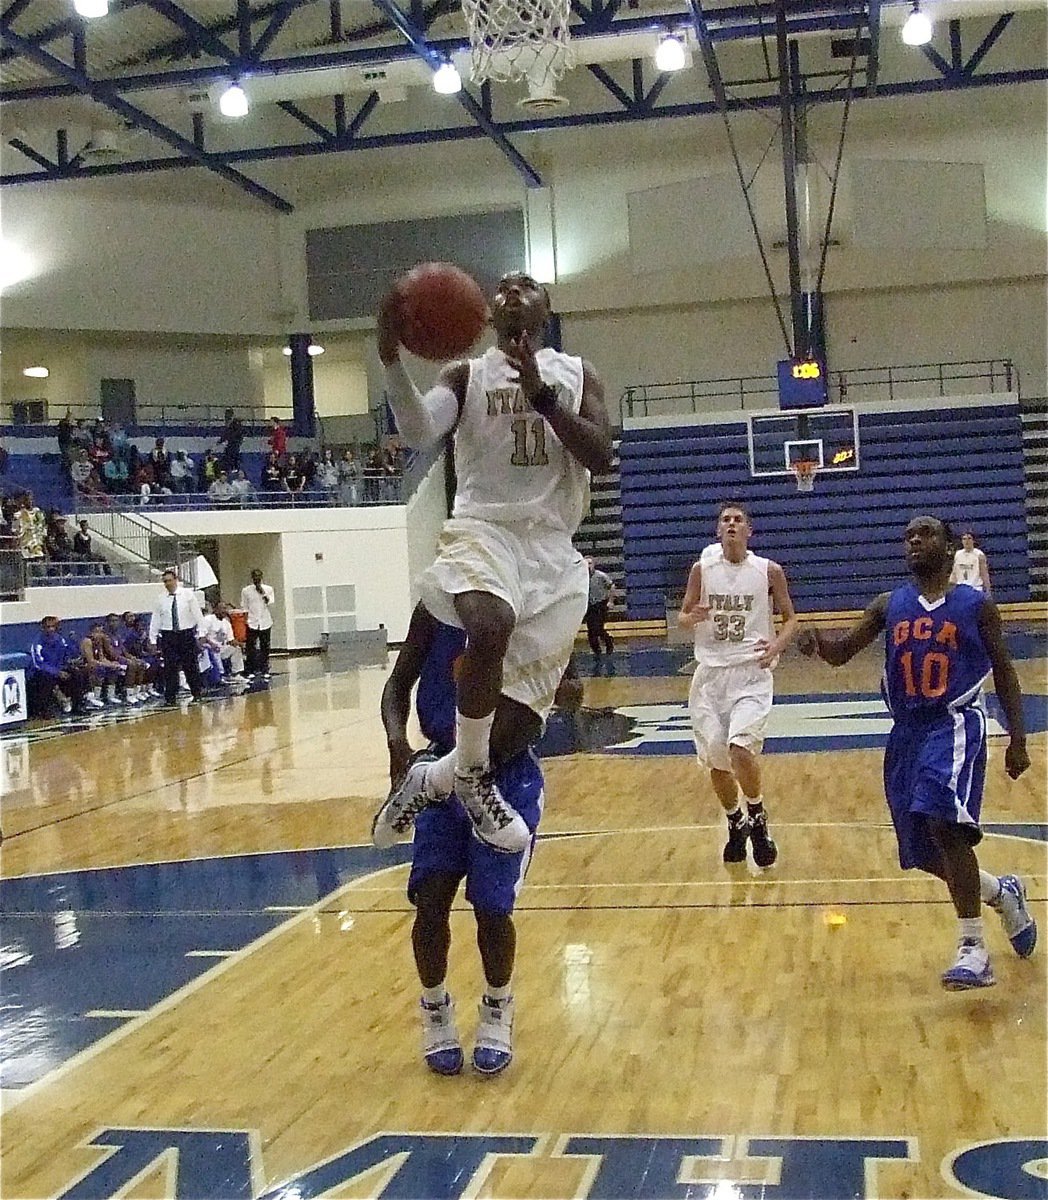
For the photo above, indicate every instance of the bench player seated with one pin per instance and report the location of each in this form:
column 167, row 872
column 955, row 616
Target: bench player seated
column 447, row 848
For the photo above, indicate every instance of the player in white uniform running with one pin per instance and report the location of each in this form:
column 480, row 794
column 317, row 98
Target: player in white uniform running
column 529, row 424
column 729, row 602
column 969, row 565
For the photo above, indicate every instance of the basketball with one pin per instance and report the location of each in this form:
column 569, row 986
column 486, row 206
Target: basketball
column 445, row 311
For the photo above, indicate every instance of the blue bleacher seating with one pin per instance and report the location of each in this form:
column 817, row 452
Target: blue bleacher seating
column 841, row 544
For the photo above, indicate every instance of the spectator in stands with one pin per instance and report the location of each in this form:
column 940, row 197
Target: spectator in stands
column 99, row 454
column 272, row 479
column 277, row 438
column 8, row 508
column 81, row 436
column 64, row 431
column 349, row 477
column 181, row 473
column 327, row 475
column 57, row 545
column 4, row 457
column 221, row 491
column 58, row 669
column 105, row 673
column 257, row 601
column 241, row 488
column 374, row 468
column 79, row 466
column 136, row 672
column 31, row 527
column 160, row 461
column 92, row 489
column 173, row 623
column 82, row 547
column 115, row 476
column 232, row 438
column 308, row 464
column 209, row 470
column 294, row 480
column 969, row 565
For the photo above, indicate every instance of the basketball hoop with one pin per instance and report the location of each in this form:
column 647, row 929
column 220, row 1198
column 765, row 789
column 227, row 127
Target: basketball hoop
column 805, row 474
column 520, row 40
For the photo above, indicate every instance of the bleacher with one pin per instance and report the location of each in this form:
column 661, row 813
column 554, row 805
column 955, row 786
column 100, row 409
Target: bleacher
column 40, row 474
column 841, row 544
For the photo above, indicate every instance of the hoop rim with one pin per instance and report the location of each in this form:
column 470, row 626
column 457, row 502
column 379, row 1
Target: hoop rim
column 805, row 470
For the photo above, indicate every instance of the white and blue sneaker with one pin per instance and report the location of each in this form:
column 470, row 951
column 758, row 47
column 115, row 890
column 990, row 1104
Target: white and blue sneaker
column 495, row 822
column 403, row 804
column 493, row 1050
column 1019, row 925
column 971, row 970
column 441, row 1047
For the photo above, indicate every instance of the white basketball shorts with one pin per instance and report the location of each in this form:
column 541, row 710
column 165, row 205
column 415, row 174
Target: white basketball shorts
column 729, row 706
column 539, row 574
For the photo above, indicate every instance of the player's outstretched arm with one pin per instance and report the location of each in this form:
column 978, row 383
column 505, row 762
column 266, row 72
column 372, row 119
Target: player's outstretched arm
column 692, row 611
column 1006, row 685
column 422, row 420
column 837, row 649
column 396, row 695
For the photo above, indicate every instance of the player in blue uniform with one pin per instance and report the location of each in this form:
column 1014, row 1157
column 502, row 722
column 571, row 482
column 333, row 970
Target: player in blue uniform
column 941, row 641
column 447, row 848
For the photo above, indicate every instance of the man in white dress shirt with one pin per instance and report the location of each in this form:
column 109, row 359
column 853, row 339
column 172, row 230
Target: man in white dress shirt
column 173, row 623
column 256, row 600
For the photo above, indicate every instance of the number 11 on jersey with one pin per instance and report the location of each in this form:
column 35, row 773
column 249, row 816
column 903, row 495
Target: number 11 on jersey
column 520, row 456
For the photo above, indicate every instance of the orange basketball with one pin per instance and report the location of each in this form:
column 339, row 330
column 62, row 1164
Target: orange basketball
column 445, row 311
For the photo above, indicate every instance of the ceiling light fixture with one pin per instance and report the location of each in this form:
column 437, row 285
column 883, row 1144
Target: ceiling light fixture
column 233, row 102
column 918, row 28
column 91, row 8
column 313, row 349
column 36, row 372
column 446, row 80
column 670, row 54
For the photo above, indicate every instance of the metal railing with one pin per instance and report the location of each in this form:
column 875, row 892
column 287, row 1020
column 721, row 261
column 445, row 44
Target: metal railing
column 167, row 413
column 143, row 546
column 12, row 574
column 751, row 392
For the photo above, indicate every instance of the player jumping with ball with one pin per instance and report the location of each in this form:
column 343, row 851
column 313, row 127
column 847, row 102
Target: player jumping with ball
column 529, row 423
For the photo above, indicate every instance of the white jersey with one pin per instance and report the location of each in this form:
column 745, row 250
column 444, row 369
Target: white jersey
column 740, row 609
column 511, row 466
column 967, row 568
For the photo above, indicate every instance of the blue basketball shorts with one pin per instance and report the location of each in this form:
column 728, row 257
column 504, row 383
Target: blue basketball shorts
column 935, row 768
column 446, row 845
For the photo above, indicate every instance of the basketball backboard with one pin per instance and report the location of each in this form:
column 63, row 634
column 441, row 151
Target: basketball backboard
column 826, row 436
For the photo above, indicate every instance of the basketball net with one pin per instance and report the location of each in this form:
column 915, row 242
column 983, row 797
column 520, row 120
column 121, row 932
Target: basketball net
column 519, row 40
column 805, row 475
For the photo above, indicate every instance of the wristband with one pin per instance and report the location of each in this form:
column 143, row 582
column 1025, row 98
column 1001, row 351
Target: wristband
column 545, row 400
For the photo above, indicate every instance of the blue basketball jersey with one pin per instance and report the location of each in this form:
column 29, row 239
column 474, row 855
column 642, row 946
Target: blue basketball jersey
column 935, row 660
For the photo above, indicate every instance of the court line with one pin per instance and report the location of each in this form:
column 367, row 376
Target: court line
column 209, row 953
column 175, row 997
column 756, row 880
column 697, row 905
column 123, row 1013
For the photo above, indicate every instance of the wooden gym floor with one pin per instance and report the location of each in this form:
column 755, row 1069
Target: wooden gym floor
column 207, row 984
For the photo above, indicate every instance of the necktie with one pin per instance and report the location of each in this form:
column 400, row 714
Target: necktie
column 174, row 613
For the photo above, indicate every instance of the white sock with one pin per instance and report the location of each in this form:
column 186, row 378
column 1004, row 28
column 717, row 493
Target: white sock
column 498, row 993
column 989, row 887
column 971, row 929
column 440, row 776
column 472, row 735
column 435, row 995
column 734, row 815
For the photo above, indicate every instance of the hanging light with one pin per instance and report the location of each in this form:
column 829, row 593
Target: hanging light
column 91, row 8
column 917, row 30
column 313, row 349
column 670, row 54
column 233, row 102
column 446, row 79
column 36, row 372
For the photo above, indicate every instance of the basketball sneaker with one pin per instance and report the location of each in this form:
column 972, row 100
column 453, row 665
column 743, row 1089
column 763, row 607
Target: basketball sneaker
column 971, row 970
column 403, row 804
column 735, row 846
column 496, row 823
column 765, row 852
column 1019, row 925
column 493, row 1050
column 440, row 1040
